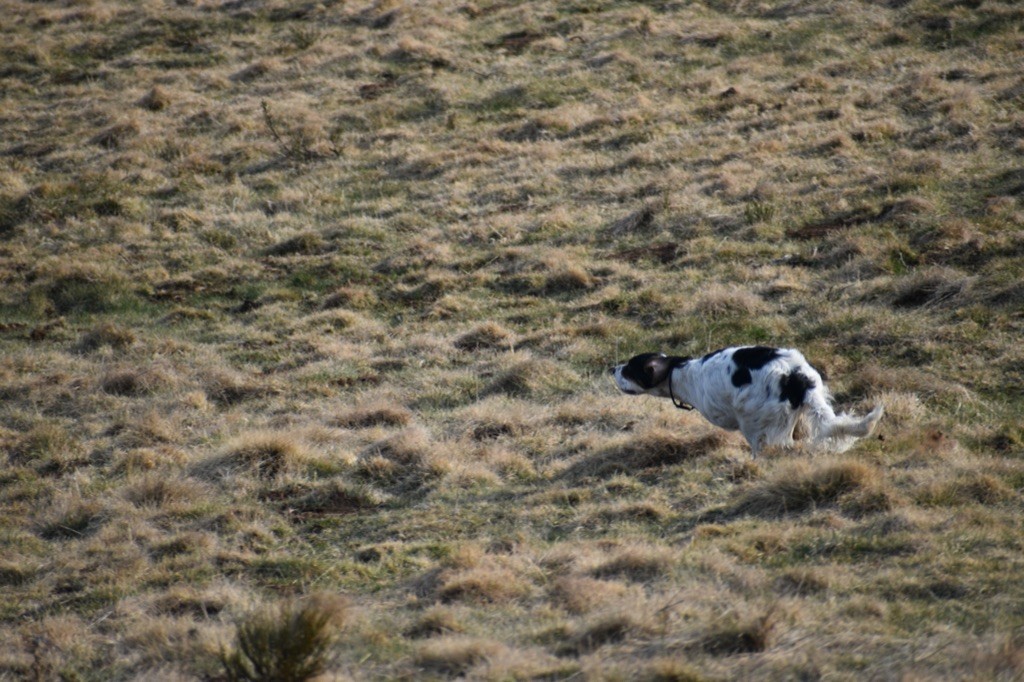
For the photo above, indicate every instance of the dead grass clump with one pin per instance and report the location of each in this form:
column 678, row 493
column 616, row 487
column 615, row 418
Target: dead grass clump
column 148, row 458
column 73, row 520
column 407, row 459
column 108, row 335
column 137, row 381
column 967, row 488
column 383, row 414
column 483, row 584
column 804, row 487
column 802, row 582
column 643, row 510
column 266, row 455
column 117, row 135
column 717, row 299
column 159, row 490
column 187, row 601
column 290, row 642
column 229, row 388
column 305, row 244
column 456, row 655
column 489, row 336
column 639, row 222
column 580, row 594
column 533, row 378
column 337, row 497
column 651, row 449
column 87, row 290
column 157, row 99
column 47, row 447
column 733, row 635
column 930, row 287
column 359, row 298
column 672, row 670
column 611, row 629
column 186, row 543
column 438, row 620
column 568, row 278
column 638, row 563
column 15, row 573
column 412, row 51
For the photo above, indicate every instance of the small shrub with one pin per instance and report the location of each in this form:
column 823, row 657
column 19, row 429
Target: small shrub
column 291, row 643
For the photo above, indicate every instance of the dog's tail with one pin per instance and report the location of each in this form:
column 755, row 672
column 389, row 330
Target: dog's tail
column 837, row 431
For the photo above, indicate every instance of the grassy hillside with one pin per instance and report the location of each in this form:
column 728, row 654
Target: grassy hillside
column 306, row 310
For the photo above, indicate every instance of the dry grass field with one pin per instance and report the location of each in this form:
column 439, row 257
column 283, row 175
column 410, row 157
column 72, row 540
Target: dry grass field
column 306, row 310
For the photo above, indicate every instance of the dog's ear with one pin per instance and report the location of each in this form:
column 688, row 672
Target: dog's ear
column 655, row 369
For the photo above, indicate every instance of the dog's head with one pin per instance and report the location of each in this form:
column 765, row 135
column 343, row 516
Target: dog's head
column 646, row 373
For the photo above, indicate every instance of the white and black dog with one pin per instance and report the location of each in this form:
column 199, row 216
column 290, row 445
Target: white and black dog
column 762, row 392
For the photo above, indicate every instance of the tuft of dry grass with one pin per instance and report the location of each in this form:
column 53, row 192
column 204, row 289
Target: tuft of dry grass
column 456, row 655
column 382, row 414
column 803, row 487
column 265, row 455
column 438, row 620
column 638, row 563
column 108, row 335
column 651, row 449
column 732, row 635
column 489, row 335
column 483, row 585
column 582, row 594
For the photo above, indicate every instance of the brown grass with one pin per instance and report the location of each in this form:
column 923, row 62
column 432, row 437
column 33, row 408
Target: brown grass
column 321, row 297
column 456, row 655
column 266, row 455
column 653, row 449
column 804, row 487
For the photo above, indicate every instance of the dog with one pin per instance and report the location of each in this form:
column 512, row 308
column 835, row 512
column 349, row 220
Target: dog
column 762, row 392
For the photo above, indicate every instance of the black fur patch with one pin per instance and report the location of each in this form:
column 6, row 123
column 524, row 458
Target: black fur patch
column 741, row 377
column 710, row 355
column 755, row 357
column 794, row 387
